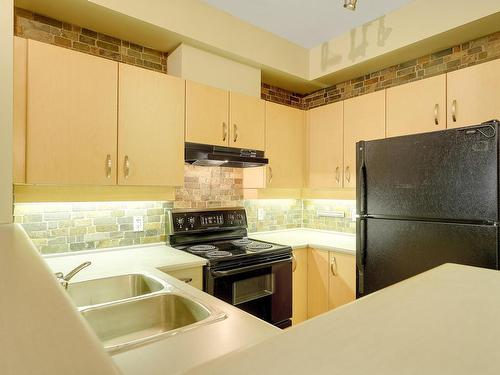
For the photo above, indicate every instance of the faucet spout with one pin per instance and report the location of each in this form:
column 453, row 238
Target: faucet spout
column 64, row 280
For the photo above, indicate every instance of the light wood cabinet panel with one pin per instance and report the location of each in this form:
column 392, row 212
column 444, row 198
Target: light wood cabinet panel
column 150, row 128
column 207, row 114
column 342, row 279
column 473, row 94
column 299, row 284
column 285, row 143
column 325, row 127
column 192, row 276
column 364, row 120
column 19, row 114
column 417, row 107
column 317, row 282
column 72, row 117
column 247, row 122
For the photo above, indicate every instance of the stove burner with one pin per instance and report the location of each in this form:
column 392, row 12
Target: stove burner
column 200, row 249
column 258, row 246
column 218, row 254
column 242, row 242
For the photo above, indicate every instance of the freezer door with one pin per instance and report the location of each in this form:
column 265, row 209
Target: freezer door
column 389, row 251
column 450, row 175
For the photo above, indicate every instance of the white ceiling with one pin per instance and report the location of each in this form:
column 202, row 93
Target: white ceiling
column 307, row 23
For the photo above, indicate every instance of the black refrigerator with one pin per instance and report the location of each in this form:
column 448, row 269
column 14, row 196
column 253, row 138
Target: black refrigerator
column 424, row 200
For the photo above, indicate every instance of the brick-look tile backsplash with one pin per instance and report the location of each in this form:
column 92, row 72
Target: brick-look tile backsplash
column 67, row 227
column 278, row 214
column 34, row 26
column 313, row 215
column 281, row 96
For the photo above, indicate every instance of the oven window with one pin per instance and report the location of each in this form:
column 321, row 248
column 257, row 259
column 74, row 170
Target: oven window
column 253, row 288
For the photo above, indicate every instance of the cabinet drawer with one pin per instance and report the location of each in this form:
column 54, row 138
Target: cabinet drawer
column 192, row 276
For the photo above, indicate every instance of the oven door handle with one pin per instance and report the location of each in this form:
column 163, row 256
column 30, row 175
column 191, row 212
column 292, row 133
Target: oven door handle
column 248, row 268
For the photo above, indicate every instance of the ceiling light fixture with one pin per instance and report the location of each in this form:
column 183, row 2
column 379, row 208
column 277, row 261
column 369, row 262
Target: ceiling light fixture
column 350, row 4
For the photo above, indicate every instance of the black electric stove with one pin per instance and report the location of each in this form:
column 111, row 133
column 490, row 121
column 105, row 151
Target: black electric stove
column 255, row 276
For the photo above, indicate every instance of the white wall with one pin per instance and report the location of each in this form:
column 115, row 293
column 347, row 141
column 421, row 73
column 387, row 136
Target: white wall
column 197, row 65
column 6, row 47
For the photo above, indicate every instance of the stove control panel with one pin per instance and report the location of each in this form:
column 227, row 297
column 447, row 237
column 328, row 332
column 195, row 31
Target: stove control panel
column 207, row 220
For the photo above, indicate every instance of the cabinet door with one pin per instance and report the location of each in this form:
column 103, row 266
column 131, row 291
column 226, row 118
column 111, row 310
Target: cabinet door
column 417, row 107
column 473, row 94
column 364, row 119
column 317, row 282
column 247, row 122
column 150, row 128
column 324, row 146
column 342, row 279
column 19, row 114
column 285, row 130
column 299, row 282
column 207, row 114
column 72, row 117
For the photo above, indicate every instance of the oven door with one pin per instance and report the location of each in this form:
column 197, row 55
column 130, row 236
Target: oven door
column 263, row 290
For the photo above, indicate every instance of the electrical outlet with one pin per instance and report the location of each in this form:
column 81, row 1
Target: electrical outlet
column 138, row 223
column 261, row 214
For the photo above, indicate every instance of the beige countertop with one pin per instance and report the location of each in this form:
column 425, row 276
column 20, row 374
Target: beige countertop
column 41, row 332
column 175, row 354
column 303, row 237
column 444, row 321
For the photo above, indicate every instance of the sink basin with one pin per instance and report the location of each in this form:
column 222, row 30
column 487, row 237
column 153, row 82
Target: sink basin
column 111, row 289
column 130, row 323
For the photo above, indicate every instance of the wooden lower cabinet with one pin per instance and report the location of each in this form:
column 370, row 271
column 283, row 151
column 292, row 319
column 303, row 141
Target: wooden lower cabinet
column 342, row 279
column 317, row 282
column 192, row 276
column 331, row 280
column 299, row 283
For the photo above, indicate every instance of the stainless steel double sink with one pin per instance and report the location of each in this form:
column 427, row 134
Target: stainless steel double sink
column 130, row 310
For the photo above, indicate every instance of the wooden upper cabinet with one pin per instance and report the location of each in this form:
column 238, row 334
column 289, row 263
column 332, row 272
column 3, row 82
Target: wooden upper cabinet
column 207, row 114
column 285, row 131
column 473, row 94
column 325, row 127
column 247, row 122
column 364, row 120
column 417, row 107
column 72, row 117
column 342, row 288
column 19, row 114
column 150, row 128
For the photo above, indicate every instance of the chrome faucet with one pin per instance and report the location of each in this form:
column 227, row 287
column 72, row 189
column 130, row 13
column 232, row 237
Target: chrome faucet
column 64, row 280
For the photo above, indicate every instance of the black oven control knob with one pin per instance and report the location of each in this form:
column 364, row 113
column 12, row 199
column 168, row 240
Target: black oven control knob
column 192, row 221
column 180, row 222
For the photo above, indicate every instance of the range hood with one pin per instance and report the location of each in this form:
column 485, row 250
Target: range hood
column 213, row 156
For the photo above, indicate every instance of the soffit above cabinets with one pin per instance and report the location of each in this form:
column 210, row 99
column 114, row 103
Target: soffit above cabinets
column 413, row 28
column 307, row 23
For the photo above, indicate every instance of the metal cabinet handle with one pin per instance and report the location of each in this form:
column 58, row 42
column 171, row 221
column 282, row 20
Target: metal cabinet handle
column 187, row 280
column 348, row 174
column 454, row 110
column 109, row 165
column 294, row 263
column 436, row 114
column 235, row 128
column 337, row 175
column 333, row 266
column 270, row 174
column 126, row 167
column 224, row 131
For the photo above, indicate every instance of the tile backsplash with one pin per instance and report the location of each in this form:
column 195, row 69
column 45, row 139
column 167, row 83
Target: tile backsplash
column 67, row 227
column 64, row 227
column 276, row 214
column 317, row 215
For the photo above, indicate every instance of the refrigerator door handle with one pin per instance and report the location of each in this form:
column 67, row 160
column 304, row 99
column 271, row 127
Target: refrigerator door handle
column 361, row 254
